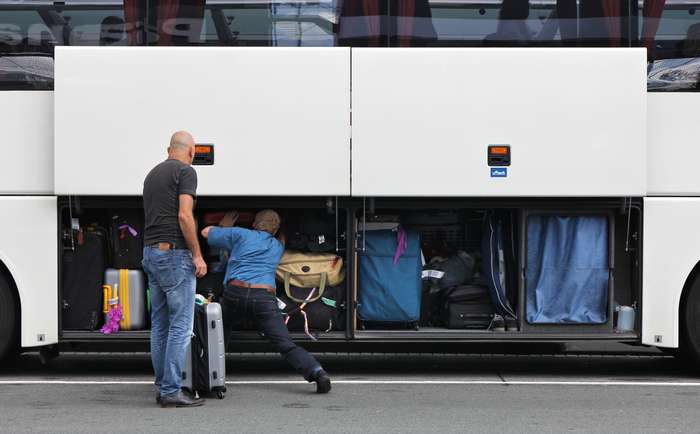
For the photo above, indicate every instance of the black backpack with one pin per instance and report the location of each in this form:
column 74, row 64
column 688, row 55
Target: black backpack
column 315, row 233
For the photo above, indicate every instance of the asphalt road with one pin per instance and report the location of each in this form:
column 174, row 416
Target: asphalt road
column 89, row 393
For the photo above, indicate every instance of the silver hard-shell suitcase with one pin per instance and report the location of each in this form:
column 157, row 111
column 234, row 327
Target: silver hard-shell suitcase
column 130, row 288
column 204, row 371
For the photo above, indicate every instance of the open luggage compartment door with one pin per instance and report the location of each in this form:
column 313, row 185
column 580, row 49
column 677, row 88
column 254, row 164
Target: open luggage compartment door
column 573, row 122
column 278, row 118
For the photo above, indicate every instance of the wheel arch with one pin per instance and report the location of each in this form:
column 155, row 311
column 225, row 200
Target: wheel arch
column 7, row 274
column 691, row 281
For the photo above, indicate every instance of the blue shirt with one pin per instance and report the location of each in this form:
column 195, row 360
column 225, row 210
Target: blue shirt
column 253, row 257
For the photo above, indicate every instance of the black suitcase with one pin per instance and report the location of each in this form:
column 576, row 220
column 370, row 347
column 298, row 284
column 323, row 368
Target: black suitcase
column 126, row 232
column 467, row 307
column 467, row 294
column 475, row 316
column 82, row 272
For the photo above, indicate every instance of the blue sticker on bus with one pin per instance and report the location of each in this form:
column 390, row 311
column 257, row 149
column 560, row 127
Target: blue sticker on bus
column 499, row 172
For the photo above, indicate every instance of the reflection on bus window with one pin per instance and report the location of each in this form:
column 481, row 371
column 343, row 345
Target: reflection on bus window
column 112, row 31
column 670, row 30
column 26, row 47
column 510, row 23
column 29, row 31
column 259, row 23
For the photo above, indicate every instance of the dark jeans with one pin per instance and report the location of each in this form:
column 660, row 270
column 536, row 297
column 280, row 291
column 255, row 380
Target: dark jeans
column 260, row 306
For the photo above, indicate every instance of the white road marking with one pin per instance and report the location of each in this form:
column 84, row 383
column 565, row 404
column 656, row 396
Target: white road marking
column 378, row 382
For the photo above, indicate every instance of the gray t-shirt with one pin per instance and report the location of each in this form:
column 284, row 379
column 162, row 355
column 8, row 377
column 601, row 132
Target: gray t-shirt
column 161, row 200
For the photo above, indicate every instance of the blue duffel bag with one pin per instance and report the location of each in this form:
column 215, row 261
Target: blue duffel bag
column 390, row 277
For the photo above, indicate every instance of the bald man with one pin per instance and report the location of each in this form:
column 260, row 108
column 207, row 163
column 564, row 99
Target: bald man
column 171, row 259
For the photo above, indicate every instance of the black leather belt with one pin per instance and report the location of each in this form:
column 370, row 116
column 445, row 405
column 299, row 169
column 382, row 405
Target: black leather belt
column 169, row 246
column 242, row 284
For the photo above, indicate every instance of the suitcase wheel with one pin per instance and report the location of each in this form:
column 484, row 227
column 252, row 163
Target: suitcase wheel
column 220, row 394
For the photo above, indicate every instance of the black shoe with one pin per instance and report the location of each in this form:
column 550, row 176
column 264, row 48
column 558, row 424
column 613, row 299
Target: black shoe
column 157, row 394
column 323, row 382
column 180, row 400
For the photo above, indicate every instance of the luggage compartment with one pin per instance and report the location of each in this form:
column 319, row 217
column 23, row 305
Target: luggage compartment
column 310, row 227
column 509, row 269
column 463, row 266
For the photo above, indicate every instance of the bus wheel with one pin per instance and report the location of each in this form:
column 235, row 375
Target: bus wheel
column 8, row 319
column 690, row 332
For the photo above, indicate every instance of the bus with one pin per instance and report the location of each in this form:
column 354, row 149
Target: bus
column 543, row 149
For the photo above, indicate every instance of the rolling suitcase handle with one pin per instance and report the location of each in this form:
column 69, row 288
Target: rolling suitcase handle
column 321, row 288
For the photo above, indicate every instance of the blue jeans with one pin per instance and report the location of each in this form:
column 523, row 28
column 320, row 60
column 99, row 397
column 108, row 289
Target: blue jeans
column 260, row 306
column 171, row 278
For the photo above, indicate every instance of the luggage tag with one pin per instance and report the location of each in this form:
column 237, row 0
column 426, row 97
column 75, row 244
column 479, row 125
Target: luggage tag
column 432, row 274
column 280, row 304
column 329, row 302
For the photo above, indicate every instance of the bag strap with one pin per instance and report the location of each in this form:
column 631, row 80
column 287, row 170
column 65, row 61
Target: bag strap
column 288, row 289
column 301, row 310
column 401, row 244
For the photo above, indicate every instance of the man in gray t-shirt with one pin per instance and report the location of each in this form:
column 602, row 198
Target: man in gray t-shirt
column 172, row 260
column 161, row 198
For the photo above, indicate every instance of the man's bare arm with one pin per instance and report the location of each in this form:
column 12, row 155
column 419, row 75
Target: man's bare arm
column 205, row 231
column 189, row 231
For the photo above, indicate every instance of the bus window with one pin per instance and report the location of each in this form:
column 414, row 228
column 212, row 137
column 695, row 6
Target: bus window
column 670, row 31
column 26, row 46
column 322, row 23
column 29, row 31
column 508, row 23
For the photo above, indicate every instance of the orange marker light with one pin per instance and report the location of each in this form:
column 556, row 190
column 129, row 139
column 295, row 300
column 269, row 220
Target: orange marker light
column 498, row 150
column 202, row 149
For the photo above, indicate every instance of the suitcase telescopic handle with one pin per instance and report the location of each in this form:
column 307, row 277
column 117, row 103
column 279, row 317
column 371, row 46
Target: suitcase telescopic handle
column 288, row 291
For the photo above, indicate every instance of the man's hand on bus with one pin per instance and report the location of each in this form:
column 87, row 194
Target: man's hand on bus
column 229, row 219
column 200, row 266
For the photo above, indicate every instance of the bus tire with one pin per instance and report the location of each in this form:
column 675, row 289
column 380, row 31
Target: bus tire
column 8, row 320
column 690, row 325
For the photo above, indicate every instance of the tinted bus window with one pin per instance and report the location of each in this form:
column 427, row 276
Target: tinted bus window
column 322, row 23
column 671, row 32
column 509, row 23
column 29, row 31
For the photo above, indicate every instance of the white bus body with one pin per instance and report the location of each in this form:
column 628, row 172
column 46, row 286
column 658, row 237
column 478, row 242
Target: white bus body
column 355, row 123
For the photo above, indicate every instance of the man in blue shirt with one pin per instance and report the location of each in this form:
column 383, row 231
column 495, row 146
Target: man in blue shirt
column 250, row 288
